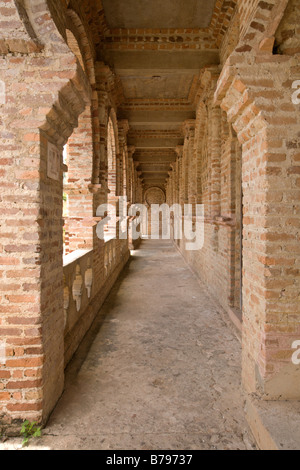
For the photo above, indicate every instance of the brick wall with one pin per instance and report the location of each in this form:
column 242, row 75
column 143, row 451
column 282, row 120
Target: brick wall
column 213, row 154
column 79, row 151
column 48, row 102
column 287, row 39
column 246, row 131
column 259, row 159
column 260, row 106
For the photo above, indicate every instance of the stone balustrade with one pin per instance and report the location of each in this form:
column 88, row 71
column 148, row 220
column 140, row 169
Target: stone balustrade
column 78, row 285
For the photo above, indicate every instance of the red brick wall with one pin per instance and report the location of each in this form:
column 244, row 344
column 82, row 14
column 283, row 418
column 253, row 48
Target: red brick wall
column 255, row 91
column 80, row 200
column 288, row 33
column 261, row 109
column 45, row 95
column 215, row 157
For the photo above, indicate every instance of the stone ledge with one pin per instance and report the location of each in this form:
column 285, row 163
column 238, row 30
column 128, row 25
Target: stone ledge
column 275, row 425
column 75, row 256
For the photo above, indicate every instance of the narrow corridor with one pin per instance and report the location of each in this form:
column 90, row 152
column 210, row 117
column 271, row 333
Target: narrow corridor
column 162, row 372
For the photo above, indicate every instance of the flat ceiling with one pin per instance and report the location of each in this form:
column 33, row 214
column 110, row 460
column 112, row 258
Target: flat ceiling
column 157, row 49
column 158, row 13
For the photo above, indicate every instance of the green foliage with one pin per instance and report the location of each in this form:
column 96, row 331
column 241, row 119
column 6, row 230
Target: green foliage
column 28, row 431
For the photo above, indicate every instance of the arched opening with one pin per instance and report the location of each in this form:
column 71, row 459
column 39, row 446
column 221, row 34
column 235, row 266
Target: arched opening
column 78, row 167
column 154, row 195
column 111, row 162
column 236, row 209
column 78, row 201
column 112, row 198
column 74, row 46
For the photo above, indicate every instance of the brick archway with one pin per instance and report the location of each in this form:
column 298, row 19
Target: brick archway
column 268, row 155
column 36, row 340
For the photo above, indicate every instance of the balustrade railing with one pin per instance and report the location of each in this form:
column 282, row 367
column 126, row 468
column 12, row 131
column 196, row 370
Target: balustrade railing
column 78, row 284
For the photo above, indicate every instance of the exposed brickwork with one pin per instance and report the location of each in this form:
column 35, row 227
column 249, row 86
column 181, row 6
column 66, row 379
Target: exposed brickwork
column 268, row 133
column 21, row 38
column 79, row 152
column 208, row 174
column 238, row 144
column 256, row 93
column 45, row 94
column 288, row 33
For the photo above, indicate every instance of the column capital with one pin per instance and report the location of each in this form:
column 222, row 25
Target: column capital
column 179, row 150
column 189, row 127
column 103, row 75
column 123, row 126
column 131, row 150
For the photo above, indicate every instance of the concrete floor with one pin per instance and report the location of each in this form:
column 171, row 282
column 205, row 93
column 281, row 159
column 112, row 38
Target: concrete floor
column 160, row 368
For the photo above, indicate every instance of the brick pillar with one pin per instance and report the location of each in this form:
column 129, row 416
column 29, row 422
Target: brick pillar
column 259, row 105
column 123, row 127
column 192, row 180
column 215, row 159
column 170, row 185
column 96, row 170
column 174, row 179
column 130, row 193
column 136, row 183
column 179, row 151
column 201, row 118
column 80, row 170
column 178, row 173
column 102, row 114
column 38, row 115
column 189, row 162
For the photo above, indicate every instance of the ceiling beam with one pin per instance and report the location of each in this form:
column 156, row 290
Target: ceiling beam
column 155, row 144
column 143, row 117
column 154, row 167
column 125, row 62
column 155, row 158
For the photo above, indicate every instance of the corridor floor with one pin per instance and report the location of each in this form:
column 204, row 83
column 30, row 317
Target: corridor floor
column 160, row 368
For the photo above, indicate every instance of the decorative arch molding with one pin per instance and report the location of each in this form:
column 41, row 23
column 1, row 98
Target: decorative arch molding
column 47, row 30
column 60, row 121
column 54, row 37
column 112, row 146
column 114, row 157
column 74, row 46
column 258, row 33
column 71, row 93
column 21, row 38
column 62, row 118
column 75, row 25
column 155, row 195
column 113, row 117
